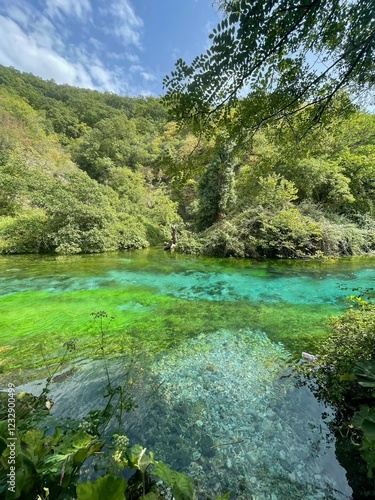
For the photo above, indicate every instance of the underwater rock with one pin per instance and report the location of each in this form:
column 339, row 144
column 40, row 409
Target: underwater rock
column 240, row 420
column 253, row 457
column 207, row 446
column 182, row 458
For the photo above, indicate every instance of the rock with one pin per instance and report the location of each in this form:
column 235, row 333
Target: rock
column 292, row 477
column 207, row 446
column 253, row 457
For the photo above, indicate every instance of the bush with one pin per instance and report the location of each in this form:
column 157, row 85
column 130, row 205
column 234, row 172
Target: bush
column 222, row 240
column 189, row 243
column 283, row 234
column 352, row 339
column 346, row 239
column 131, row 233
column 25, row 233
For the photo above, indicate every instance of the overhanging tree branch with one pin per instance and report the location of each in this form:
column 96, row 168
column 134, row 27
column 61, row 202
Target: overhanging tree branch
column 266, row 46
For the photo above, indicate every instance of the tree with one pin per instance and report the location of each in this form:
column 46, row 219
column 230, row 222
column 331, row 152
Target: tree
column 216, row 190
column 286, row 54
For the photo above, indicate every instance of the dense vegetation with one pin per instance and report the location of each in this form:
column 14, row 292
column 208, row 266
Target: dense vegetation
column 48, row 202
column 344, row 376
column 83, row 171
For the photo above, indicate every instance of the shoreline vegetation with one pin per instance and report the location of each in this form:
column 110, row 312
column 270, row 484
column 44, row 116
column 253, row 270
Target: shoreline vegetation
column 89, row 172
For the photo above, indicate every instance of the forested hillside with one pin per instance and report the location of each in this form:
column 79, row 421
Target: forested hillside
column 83, row 171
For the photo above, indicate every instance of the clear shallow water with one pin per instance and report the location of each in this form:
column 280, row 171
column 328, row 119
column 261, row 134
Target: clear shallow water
column 217, row 408
column 215, row 335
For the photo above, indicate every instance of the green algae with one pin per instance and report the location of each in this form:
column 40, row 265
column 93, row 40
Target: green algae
column 159, row 300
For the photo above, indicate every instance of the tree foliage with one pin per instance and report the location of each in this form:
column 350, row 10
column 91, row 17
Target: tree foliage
column 48, row 204
column 82, row 171
column 285, row 55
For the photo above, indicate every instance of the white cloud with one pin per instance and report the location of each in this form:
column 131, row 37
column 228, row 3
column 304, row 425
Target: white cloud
column 20, row 16
column 79, row 8
column 96, row 43
column 140, row 70
column 22, row 51
column 126, row 24
column 45, row 43
column 149, row 77
column 136, row 68
column 109, row 81
column 133, row 58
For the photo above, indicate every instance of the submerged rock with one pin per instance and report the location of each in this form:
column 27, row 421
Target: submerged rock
column 222, row 395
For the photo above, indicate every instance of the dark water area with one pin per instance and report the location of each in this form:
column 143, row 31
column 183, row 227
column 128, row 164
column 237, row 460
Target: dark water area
column 213, row 337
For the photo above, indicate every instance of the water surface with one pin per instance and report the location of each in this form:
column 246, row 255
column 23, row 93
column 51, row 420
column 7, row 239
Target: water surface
column 215, row 336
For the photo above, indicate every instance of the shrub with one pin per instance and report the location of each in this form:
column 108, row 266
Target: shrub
column 189, row 243
column 222, row 240
column 25, row 233
column 352, row 339
column 284, row 234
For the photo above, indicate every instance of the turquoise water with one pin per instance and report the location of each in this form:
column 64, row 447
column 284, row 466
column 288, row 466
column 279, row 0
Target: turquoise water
column 213, row 337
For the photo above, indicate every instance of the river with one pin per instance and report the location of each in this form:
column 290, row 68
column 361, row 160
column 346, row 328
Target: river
column 211, row 339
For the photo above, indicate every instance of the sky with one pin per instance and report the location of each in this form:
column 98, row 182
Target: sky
column 120, row 46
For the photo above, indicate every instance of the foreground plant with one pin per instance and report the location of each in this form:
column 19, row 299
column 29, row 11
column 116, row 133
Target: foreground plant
column 344, row 376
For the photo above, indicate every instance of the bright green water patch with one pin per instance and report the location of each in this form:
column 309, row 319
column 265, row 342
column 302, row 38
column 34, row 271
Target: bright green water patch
column 158, row 300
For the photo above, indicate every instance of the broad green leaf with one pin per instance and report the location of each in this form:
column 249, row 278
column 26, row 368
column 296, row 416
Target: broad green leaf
column 368, row 427
column 183, row 488
column 365, row 372
column 133, row 456
column 143, row 461
column 104, row 488
column 81, row 455
column 181, row 485
column 365, row 420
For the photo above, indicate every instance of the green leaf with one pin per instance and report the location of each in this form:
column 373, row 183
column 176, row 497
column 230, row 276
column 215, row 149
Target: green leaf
column 183, row 488
column 102, row 489
column 368, row 427
column 365, row 372
column 364, row 419
column 143, row 461
column 151, row 496
column 226, row 496
column 347, row 377
column 181, row 485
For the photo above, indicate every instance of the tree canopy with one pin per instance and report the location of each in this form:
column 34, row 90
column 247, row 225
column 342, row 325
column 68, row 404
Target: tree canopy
column 282, row 55
column 82, row 171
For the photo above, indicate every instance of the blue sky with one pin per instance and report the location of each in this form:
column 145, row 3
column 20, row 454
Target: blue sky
column 120, row 46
